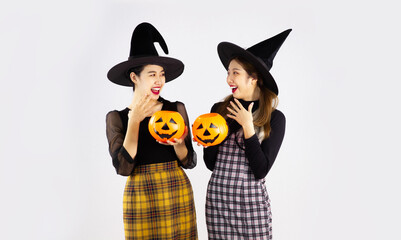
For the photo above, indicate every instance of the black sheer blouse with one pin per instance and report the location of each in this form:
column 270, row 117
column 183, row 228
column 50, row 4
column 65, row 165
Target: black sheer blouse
column 261, row 155
column 149, row 151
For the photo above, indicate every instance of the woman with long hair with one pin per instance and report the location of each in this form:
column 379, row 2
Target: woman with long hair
column 237, row 202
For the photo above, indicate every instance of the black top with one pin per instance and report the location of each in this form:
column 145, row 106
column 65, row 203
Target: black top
column 261, row 155
column 149, row 150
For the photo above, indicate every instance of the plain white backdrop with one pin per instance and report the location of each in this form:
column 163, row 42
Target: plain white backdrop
column 336, row 176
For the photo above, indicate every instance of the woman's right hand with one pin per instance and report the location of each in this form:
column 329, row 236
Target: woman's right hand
column 194, row 140
column 146, row 106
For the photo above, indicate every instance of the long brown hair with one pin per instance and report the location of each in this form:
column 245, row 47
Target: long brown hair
column 268, row 100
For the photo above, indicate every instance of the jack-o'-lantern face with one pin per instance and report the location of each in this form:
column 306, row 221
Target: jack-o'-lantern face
column 166, row 125
column 210, row 129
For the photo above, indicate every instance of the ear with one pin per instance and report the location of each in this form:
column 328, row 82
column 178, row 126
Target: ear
column 254, row 81
column 133, row 77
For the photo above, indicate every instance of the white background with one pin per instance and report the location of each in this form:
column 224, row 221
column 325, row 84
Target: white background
column 336, row 176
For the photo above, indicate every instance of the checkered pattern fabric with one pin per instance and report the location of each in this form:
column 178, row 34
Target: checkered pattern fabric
column 159, row 204
column 237, row 204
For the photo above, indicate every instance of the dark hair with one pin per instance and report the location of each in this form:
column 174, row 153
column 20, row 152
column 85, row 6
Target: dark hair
column 137, row 70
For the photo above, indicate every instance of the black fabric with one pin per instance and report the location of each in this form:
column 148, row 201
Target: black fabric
column 143, row 52
column 143, row 39
column 115, row 131
column 149, row 151
column 233, row 125
column 261, row 155
column 267, row 49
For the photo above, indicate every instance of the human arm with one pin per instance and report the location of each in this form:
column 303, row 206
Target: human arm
column 210, row 153
column 184, row 149
column 261, row 156
column 123, row 162
column 123, row 137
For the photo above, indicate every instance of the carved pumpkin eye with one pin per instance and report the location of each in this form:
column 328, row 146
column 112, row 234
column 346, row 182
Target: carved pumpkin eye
column 200, row 126
column 160, row 120
column 212, row 125
column 172, row 121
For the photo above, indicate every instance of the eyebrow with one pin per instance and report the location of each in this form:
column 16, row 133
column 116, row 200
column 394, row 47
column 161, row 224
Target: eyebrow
column 234, row 69
column 155, row 71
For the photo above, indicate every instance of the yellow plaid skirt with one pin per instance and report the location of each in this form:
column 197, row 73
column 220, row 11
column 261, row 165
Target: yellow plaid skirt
column 159, row 203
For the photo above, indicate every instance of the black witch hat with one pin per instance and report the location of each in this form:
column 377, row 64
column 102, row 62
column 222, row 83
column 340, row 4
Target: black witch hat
column 260, row 56
column 143, row 52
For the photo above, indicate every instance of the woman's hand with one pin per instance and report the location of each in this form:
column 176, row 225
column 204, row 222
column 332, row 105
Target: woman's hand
column 242, row 116
column 146, row 106
column 197, row 143
column 179, row 146
column 176, row 141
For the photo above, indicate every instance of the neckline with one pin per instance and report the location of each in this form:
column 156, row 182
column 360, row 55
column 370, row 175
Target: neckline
column 246, row 104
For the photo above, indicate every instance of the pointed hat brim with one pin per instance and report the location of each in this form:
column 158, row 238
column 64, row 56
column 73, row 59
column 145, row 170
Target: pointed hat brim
column 227, row 51
column 118, row 74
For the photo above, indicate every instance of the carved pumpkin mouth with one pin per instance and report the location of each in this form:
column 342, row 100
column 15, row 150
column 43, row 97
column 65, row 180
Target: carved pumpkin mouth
column 164, row 135
column 208, row 140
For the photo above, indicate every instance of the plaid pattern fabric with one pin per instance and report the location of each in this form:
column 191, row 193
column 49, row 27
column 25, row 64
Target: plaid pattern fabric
column 159, row 204
column 237, row 204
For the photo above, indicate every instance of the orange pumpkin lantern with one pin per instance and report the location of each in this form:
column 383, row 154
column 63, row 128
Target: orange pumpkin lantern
column 210, row 129
column 166, row 125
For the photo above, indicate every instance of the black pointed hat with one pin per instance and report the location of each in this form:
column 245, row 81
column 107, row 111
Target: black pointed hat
column 143, row 52
column 260, row 56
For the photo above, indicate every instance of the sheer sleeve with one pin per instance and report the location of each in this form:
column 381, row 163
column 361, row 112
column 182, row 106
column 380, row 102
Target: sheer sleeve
column 210, row 153
column 190, row 160
column 115, row 131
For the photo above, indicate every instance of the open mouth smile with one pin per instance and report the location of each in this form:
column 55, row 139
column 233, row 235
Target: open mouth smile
column 155, row 90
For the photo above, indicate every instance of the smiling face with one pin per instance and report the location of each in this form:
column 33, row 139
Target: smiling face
column 243, row 86
column 150, row 81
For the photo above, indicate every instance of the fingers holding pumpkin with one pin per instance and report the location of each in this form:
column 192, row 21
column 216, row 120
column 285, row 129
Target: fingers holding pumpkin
column 173, row 142
column 168, row 142
column 182, row 138
column 176, row 141
column 198, row 143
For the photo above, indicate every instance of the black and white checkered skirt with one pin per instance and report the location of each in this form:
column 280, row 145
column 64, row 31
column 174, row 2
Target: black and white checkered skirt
column 237, row 204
